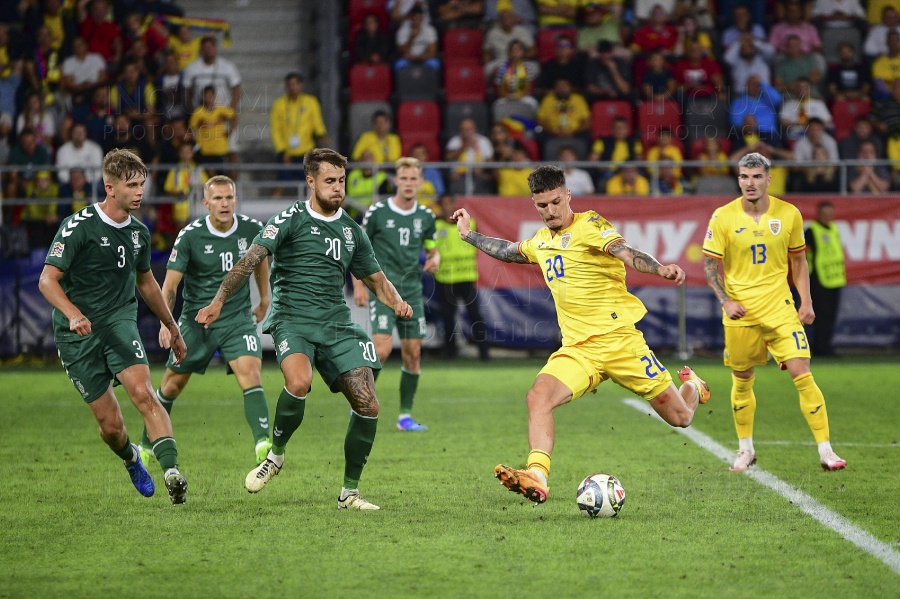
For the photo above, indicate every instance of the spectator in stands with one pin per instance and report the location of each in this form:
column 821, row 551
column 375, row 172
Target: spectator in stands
column 296, row 127
column 748, row 57
column 6, row 127
column 876, row 41
column 514, row 181
column 886, row 68
column 643, row 9
column 211, row 124
column 669, row 182
column 862, row 131
column 797, row 112
column 102, row 34
column 81, row 153
column 181, row 180
column 689, row 35
column 371, row 45
column 432, row 182
column 29, row 156
column 171, row 91
column 849, row 78
column 97, row 116
column 628, row 182
column 210, row 69
column 567, row 64
column 658, row 34
column 122, row 138
column 39, row 120
column 400, row 11
column 417, row 42
column 620, row 147
column 384, row 145
column 460, row 13
column 41, row 219
column 658, row 82
column 608, row 77
column 82, row 72
column 363, row 183
column 134, row 97
column 147, row 65
column 78, row 190
column 760, row 100
column 591, row 29
column 792, row 26
column 185, row 46
column 173, row 135
column 702, row 11
column 502, row 143
column 154, row 35
column 886, row 113
column 496, row 43
column 42, row 67
column 838, row 13
column 665, row 150
column 523, row 10
column 699, row 76
column 578, row 181
column 564, row 113
column 469, row 147
column 62, row 26
column 556, row 13
column 712, row 151
column 818, row 179
column 749, row 138
column 793, row 66
column 867, row 178
column 816, row 136
column 742, row 26
column 514, row 80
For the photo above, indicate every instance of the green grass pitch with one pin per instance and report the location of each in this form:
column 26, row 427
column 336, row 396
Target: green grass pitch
column 71, row 524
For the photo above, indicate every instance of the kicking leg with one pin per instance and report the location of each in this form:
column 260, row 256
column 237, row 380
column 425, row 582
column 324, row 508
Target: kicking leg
column 358, row 386
column 812, row 402
column 256, row 409
column 411, row 352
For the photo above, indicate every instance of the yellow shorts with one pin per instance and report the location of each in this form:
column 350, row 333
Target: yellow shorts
column 621, row 355
column 746, row 347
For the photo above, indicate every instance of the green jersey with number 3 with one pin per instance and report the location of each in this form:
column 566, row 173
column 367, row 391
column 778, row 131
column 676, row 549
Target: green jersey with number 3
column 99, row 257
column 398, row 237
column 205, row 256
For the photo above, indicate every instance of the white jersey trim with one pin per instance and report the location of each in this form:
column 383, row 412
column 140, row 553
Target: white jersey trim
column 327, row 219
column 105, row 218
column 398, row 210
column 218, row 233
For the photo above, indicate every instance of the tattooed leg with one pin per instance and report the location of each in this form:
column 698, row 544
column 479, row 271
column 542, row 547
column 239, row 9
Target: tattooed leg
column 358, row 386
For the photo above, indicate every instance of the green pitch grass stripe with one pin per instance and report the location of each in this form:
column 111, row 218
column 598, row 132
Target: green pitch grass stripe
column 851, row 532
column 836, row 444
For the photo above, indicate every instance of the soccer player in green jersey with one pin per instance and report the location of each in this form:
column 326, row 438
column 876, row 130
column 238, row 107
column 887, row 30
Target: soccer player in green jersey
column 399, row 228
column 314, row 243
column 98, row 256
column 204, row 252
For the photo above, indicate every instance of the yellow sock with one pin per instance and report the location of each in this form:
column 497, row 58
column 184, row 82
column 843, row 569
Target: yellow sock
column 812, row 402
column 743, row 405
column 540, row 461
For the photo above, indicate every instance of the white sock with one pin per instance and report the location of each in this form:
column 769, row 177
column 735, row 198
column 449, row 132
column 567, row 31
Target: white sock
column 824, row 447
column 402, row 416
column 171, row 471
column 540, row 475
column 278, row 459
column 746, row 444
column 347, row 492
column 134, row 455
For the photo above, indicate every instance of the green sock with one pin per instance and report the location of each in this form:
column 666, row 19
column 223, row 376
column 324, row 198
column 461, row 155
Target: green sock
column 165, row 451
column 357, row 445
column 375, row 373
column 288, row 416
column 408, row 383
column 256, row 411
column 167, row 406
column 126, row 452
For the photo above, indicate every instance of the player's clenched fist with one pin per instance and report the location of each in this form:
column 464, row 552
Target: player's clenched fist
column 80, row 325
column 462, row 220
column 179, row 348
column 673, row 272
column 403, row 310
column 208, row 315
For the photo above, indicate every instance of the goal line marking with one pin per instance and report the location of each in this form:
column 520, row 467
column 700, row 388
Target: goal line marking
column 851, row 532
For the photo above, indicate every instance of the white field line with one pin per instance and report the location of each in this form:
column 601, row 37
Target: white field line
column 851, row 532
column 834, row 444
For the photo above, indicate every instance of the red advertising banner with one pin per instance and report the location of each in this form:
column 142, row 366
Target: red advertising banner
column 672, row 230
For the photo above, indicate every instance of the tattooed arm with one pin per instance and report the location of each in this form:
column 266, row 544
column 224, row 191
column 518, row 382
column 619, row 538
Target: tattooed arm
column 169, row 292
column 501, row 249
column 233, row 280
column 644, row 262
column 152, row 294
column 733, row 310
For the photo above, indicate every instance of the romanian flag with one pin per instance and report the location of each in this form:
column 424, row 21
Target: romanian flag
column 203, row 26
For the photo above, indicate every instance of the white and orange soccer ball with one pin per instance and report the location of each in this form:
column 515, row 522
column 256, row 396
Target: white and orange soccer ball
column 600, row 495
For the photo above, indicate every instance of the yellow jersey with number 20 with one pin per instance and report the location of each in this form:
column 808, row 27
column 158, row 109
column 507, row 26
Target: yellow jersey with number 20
column 587, row 283
column 755, row 257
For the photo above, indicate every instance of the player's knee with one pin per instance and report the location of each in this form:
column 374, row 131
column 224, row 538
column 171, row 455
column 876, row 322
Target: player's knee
column 681, row 418
column 298, row 386
column 370, row 410
column 537, row 401
column 144, row 399
column 111, row 427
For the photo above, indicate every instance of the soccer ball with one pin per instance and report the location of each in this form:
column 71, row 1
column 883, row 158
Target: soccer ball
column 600, row 495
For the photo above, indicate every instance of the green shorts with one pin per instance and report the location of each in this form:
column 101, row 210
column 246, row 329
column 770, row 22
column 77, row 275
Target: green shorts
column 384, row 319
column 238, row 339
column 92, row 361
column 334, row 348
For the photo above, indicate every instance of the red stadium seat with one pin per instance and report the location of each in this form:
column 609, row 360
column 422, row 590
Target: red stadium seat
column 697, row 146
column 418, row 118
column 531, row 145
column 464, row 83
column 604, row 112
column 358, row 9
column 845, row 113
column 462, row 45
column 429, row 140
column 546, row 41
column 656, row 115
column 370, row 83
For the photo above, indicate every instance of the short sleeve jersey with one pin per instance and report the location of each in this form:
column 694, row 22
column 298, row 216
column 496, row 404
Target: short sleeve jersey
column 398, row 237
column 312, row 255
column 755, row 257
column 99, row 257
column 205, row 256
column 587, row 283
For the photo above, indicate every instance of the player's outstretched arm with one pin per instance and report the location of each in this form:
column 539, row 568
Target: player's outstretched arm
column 644, row 262
column 387, row 294
column 261, row 276
column 152, row 294
column 800, row 273
column 53, row 291
column 501, row 249
column 169, row 292
column 232, row 282
column 733, row 310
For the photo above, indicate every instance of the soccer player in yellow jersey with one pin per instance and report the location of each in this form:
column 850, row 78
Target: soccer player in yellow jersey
column 756, row 237
column 582, row 258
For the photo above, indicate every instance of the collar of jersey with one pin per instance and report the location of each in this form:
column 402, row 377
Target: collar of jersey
column 317, row 216
column 218, row 233
column 105, row 218
column 398, row 210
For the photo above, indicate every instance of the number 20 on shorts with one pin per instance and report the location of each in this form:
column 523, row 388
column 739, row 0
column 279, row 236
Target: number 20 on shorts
column 653, row 366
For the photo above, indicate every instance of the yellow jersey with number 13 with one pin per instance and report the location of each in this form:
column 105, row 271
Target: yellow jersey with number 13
column 755, row 257
column 587, row 283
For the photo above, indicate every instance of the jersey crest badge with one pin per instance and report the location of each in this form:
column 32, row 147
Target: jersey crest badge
column 242, row 246
column 173, row 256
column 774, row 226
column 270, row 232
column 135, row 238
column 348, row 234
column 565, row 239
column 209, row 249
column 57, row 250
column 104, row 241
column 417, row 226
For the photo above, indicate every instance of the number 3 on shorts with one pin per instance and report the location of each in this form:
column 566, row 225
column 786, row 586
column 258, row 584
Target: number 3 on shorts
column 651, row 363
column 368, row 351
column 139, row 353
